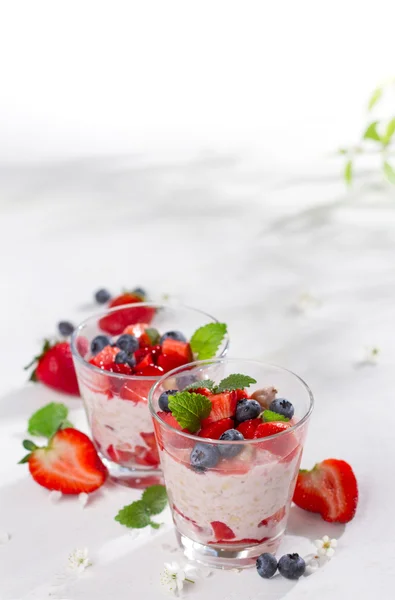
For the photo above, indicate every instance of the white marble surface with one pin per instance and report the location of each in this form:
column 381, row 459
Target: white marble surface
column 244, row 240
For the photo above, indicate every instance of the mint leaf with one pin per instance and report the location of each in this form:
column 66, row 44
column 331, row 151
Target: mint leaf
column 389, row 172
column 375, row 97
column 371, row 132
column 348, row 172
column 153, row 335
column 235, row 382
column 268, row 416
column 155, row 499
column 48, row 419
column 389, row 132
column 189, row 409
column 135, row 515
column 202, row 383
column 207, row 339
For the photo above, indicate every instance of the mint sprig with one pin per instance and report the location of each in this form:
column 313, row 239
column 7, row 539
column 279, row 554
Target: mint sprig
column 202, row 383
column 269, row 416
column 189, row 409
column 138, row 514
column 46, row 421
column 207, row 339
column 236, row 381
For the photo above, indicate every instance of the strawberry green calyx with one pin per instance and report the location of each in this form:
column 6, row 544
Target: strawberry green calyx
column 46, row 346
column 28, row 445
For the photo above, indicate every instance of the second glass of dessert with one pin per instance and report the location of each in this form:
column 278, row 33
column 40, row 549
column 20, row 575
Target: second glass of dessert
column 230, row 445
column 118, row 356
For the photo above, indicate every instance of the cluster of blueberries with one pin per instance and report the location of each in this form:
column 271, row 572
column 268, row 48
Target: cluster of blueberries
column 206, row 456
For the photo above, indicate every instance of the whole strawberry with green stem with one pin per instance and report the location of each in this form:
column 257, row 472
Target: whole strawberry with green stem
column 54, row 367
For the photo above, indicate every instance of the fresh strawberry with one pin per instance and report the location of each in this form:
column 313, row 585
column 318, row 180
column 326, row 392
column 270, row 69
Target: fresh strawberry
column 150, row 371
column 69, row 464
column 222, row 531
column 330, row 489
column 121, row 368
column 273, row 519
column 281, row 446
column 167, row 438
column 115, row 323
column 55, row 368
column 179, row 352
column 241, row 394
column 105, row 358
column 222, row 406
column 135, row 390
column 168, row 363
column 137, row 329
column 216, row 429
column 151, row 455
column 148, row 458
column 248, row 428
column 203, row 391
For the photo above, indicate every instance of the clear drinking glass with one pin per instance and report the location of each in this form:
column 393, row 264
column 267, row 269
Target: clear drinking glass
column 227, row 515
column 116, row 404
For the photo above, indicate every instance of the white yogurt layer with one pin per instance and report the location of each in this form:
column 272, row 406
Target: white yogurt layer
column 116, row 422
column 242, row 502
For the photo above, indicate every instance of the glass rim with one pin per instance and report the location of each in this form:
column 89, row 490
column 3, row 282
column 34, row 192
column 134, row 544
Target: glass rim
column 196, row 438
column 77, row 331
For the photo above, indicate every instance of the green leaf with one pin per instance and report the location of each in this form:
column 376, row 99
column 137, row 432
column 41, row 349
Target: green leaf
column 375, row 97
column 202, row 383
column 135, row 515
column 343, row 151
column 47, row 420
column 28, row 445
column 348, row 172
column 207, row 339
column 371, row 132
column 25, row 459
column 189, row 409
column 153, row 335
column 154, row 525
column 389, row 132
column 155, row 499
column 268, row 416
column 236, row 381
column 389, row 172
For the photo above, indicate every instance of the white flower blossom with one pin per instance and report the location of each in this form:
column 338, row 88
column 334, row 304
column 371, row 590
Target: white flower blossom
column 372, row 355
column 83, row 499
column 54, row 496
column 313, row 564
column 78, row 560
column 4, row 537
column 173, row 577
column 325, row 546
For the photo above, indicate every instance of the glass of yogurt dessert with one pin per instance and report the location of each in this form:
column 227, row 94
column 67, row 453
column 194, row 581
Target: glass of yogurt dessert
column 118, row 356
column 230, row 446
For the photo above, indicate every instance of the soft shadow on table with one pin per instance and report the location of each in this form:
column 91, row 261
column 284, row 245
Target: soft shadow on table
column 24, row 401
column 311, row 525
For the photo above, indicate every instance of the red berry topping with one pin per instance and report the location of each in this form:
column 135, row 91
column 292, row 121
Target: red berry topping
column 248, row 428
column 222, row 531
column 115, row 323
column 55, row 368
column 215, row 430
column 222, row 406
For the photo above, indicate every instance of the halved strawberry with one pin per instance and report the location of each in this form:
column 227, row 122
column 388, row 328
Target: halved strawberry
column 273, row 519
column 283, row 445
column 330, row 489
column 248, row 428
column 222, row 406
column 69, row 464
column 115, row 323
column 55, row 368
column 105, row 358
column 180, row 353
column 216, row 429
column 222, row 531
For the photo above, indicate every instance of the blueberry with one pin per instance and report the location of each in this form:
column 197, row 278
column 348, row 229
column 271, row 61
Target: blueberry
column 164, row 400
column 98, row 343
column 121, row 358
column 140, row 292
column 131, row 361
column 282, row 407
column 65, row 328
column 102, row 296
column 185, row 379
column 266, row 565
column 247, row 409
column 204, row 456
column 231, row 451
column 173, row 335
column 127, row 342
column 291, row 566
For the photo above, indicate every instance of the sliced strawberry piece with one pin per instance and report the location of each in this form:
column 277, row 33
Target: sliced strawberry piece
column 146, row 361
column 222, row 531
column 273, row 519
column 55, row 368
column 203, row 391
column 115, row 323
column 69, row 464
column 146, row 457
column 215, row 430
column 123, row 369
column 135, row 390
column 105, row 358
column 330, row 489
column 137, row 330
column 222, row 406
column 176, row 510
column 283, row 445
column 168, row 363
column 242, row 542
column 179, row 352
column 241, row 394
column 167, row 439
column 150, row 371
column 248, row 428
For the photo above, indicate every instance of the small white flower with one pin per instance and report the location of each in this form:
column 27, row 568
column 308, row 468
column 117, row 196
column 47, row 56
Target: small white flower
column 313, row 564
column 172, row 578
column 54, row 496
column 4, row 537
column 372, row 355
column 83, row 499
column 326, row 546
column 78, row 560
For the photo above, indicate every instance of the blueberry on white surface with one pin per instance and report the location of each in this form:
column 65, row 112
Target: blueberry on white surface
column 247, row 409
column 98, row 343
column 102, row 296
column 282, row 407
column 266, row 565
column 65, row 328
column 229, row 451
column 291, row 566
column 204, row 456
